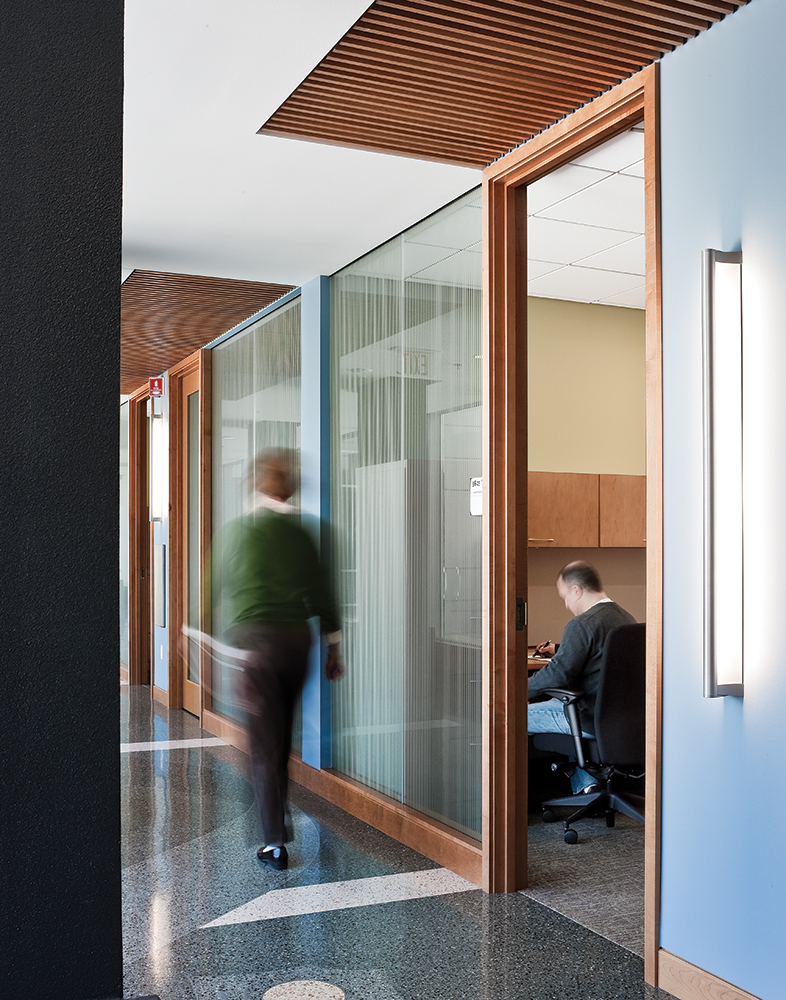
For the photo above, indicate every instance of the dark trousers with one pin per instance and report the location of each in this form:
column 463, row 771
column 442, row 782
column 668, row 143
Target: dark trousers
column 269, row 686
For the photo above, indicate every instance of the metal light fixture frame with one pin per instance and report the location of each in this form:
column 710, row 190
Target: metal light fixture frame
column 722, row 385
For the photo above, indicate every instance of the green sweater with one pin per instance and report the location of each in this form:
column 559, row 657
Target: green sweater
column 266, row 569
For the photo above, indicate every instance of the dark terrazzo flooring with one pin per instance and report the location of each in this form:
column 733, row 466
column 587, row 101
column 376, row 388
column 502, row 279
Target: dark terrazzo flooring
column 189, row 835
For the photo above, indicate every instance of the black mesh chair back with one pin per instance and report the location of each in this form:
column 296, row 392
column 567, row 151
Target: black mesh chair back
column 620, row 702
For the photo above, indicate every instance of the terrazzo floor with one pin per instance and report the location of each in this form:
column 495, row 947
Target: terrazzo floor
column 356, row 913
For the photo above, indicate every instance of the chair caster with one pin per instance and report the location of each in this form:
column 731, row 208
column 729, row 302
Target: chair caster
column 548, row 816
column 570, row 836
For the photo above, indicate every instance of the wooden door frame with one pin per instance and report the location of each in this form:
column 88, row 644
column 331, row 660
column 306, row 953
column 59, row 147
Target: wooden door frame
column 139, row 540
column 505, row 471
column 198, row 362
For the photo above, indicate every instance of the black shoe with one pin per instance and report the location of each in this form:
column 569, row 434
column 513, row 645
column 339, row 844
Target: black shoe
column 274, row 857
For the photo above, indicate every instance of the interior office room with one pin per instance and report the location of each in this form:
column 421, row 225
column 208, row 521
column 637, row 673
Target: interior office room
column 715, row 873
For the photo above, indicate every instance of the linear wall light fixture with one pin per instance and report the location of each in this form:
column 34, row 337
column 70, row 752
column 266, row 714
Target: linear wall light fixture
column 723, row 540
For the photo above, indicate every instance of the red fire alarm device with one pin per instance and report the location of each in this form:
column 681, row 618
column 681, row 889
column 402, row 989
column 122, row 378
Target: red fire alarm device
column 156, row 386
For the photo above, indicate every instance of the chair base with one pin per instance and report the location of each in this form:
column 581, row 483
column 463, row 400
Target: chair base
column 595, row 804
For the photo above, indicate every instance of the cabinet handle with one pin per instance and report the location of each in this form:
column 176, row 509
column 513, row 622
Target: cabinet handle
column 540, row 539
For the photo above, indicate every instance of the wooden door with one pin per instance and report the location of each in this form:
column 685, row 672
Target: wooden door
column 190, row 541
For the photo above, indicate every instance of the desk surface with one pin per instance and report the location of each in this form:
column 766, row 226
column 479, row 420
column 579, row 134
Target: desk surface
column 533, row 662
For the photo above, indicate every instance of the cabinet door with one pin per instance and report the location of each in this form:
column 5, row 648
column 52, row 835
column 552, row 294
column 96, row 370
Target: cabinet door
column 623, row 511
column 563, row 510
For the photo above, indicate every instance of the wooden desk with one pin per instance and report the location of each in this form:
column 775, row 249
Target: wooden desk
column 534, row 663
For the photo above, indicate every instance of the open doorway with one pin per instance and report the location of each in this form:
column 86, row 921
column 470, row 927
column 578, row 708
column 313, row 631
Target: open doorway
column 586, row 445
column 505, row 538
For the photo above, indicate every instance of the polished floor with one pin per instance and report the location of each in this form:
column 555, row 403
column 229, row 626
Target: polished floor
column 375, row 920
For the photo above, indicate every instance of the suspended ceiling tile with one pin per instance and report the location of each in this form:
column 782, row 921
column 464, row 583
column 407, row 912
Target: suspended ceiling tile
column 465, row 82
column 560, row 184
column 536, row 268
column 564, row 242
column 615, row 154
column 628, row 257
column 165, row 317
column 635, row 298
column 616, row 202
column 582, row 284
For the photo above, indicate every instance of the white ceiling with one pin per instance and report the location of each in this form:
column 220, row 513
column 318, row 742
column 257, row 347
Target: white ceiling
column 204, row 194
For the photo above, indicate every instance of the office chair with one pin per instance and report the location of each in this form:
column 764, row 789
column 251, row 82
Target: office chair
column 617, row 751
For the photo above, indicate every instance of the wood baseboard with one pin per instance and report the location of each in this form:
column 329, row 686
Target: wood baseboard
column 453, row 850
column 225, row 729
column 161, row 696
column 124, row 672
column 689, row 982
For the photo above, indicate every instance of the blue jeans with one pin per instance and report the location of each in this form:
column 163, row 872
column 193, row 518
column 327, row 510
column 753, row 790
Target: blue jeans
column 549, row 717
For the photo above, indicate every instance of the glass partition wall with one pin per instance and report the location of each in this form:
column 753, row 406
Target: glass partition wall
column 256, row 405
column 406, row 441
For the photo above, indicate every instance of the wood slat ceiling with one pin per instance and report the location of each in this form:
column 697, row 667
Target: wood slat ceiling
column 165, row 317
column 465, row 81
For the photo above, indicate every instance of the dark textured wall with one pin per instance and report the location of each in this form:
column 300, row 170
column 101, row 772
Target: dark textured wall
column 60, row 200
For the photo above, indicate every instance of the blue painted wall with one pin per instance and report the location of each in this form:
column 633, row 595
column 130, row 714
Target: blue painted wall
column 724, row 811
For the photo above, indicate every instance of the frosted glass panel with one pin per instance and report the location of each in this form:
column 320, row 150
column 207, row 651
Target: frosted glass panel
column 406, row 438
column 256, row 405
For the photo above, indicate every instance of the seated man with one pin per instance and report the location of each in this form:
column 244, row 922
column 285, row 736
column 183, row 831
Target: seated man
column 575, row 663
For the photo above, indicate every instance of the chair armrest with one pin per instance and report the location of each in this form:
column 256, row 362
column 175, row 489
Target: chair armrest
column 569, row 699
column 562, row 694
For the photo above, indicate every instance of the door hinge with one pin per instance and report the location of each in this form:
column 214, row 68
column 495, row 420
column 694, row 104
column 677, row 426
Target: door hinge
column 521, row 614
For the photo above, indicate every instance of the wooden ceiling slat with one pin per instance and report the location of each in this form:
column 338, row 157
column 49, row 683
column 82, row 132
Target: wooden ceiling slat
column 550, row 28
column 423, row 58
column 556, row 61
column 394, row 112
column 497, row 38
column 439, row 98
column 466, row 80
column 519, row 85
column 165, row 317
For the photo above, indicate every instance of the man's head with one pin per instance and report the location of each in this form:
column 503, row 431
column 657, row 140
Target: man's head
column 579, row 586
column 274, row 473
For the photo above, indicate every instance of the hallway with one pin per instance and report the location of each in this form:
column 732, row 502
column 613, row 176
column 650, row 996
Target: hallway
column 203, row 919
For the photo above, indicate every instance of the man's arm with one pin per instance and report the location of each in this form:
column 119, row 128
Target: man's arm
column 567, row 665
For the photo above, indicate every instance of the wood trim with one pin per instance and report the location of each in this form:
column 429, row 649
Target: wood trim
column 654, row 554
column 596, row 122
column 613, row 112
column 162, row 697
column 176, row 557
column 689, row 982
column 205, row 518
column 226, row 729
column 139, row 663
column 455, row 851
column 124, row 672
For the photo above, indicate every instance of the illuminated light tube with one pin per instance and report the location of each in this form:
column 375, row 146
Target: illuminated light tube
column 723, row 537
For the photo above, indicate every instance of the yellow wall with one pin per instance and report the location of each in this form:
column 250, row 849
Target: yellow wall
column 586, row 388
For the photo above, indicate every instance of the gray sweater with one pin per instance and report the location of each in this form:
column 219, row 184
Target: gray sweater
column 576, row 664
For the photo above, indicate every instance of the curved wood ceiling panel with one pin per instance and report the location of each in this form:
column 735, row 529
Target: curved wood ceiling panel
column 465, row 81
column 165, row 317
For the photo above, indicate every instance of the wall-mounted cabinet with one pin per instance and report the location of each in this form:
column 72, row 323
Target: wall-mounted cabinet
column 623, row 511
column 581, row 510
column 563, row 510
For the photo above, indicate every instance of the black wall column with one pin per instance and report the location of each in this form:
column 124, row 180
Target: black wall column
column 60, row 203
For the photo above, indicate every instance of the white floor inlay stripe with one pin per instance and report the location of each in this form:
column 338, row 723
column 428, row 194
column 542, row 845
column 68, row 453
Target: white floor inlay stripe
column 345, row 895
column 173, row 745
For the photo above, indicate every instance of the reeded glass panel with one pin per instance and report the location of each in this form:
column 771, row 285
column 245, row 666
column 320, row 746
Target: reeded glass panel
column 124, row 529
column 256, row 405
column 193, row 531
column 406, row 441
